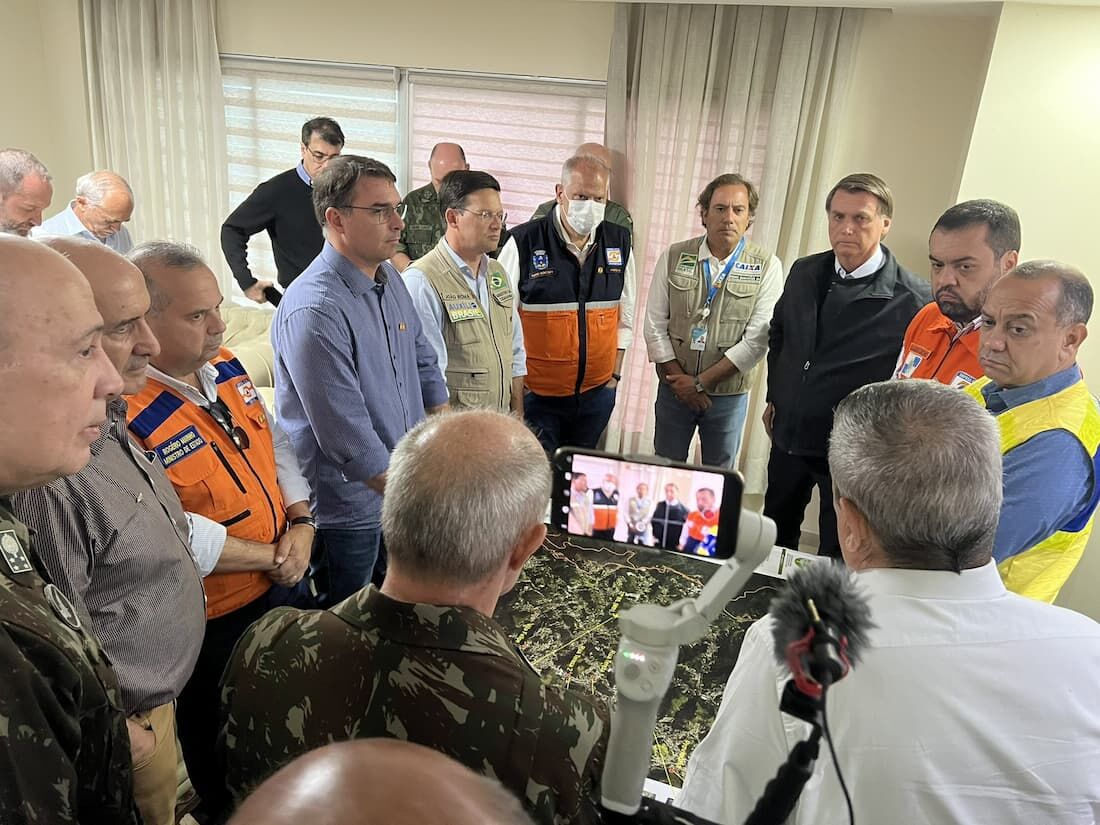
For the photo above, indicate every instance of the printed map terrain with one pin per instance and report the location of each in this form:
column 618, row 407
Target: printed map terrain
column 563, row 615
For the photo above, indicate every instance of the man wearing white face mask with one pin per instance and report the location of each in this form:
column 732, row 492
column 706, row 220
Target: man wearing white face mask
column 574, row 274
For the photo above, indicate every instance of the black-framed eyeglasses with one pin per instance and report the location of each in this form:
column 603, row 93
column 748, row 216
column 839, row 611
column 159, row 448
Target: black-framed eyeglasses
column 320, row 157
column 220, row 413
column 382, row 214
column 484, row 214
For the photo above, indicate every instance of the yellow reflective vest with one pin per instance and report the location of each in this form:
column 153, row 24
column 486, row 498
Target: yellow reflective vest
column 1040, row 571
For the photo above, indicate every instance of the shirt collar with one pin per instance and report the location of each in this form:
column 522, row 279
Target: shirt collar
column 868, row 267
column 705, row 253
column 303, row 174
column 998, row 398
column 208, row 378
column 114, row 427
column 977, row 583
column 447, row 627
column 482, row 266
column 356, row 279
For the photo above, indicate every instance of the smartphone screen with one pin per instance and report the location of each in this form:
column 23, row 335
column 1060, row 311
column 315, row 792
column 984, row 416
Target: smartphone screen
column 632, row 501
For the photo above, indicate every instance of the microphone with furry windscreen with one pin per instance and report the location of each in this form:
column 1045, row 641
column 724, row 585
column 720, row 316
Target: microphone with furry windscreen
column 820, row 625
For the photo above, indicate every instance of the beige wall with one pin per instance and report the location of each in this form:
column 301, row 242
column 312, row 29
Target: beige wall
column 44, row 101
column 1035, row 147
column 914, row 95
column 555, row 38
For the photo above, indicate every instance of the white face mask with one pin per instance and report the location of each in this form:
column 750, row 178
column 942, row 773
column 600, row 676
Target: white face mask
column 585, row 216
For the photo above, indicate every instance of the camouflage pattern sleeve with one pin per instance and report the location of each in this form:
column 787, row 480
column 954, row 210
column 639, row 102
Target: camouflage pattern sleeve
column 51, row 770
column 565, row 775
column 253, row 676
column 423, row 223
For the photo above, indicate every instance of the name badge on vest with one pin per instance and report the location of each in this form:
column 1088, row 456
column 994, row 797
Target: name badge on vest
column 698, row 338
column 179, row 446
column 247, row 391
column 747, row 272
column 463, row 309
column 686, row 264
column 14, row 555
column 962, row 379
column 913, row 359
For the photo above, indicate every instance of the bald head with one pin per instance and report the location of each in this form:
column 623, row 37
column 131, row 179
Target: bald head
column 595, row 150
column 382, row 781
column 444, row 159
column 122, row 300
column 104, row 202
column 485, row 480
column 55, row 374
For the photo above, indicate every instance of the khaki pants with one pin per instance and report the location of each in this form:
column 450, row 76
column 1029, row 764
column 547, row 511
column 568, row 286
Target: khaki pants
column 155, row 779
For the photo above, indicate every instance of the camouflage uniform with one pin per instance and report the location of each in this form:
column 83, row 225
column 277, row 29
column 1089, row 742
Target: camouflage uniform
column 445, row 677
column 64, row 750
column 424, row 225
column 615, row 213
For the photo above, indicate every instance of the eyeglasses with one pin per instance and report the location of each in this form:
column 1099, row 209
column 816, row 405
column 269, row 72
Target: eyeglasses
column 220, row 413
column 484, row 214
column 320, row 157
column 382, row 214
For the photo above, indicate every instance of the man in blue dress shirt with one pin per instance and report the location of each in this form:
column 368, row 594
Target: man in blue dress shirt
column 103, row 204
column 353, row 369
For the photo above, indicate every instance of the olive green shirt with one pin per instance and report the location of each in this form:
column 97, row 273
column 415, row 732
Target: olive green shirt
column 64, row 749
column 424, row 224
column 445, row 677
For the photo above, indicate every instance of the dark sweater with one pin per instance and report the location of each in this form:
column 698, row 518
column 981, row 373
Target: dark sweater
column 829, row 337
column 283, row 206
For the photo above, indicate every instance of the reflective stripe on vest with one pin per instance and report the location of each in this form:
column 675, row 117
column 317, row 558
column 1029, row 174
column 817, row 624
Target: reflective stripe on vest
column 211, row 475
column 1040, row 571
column 567, row 352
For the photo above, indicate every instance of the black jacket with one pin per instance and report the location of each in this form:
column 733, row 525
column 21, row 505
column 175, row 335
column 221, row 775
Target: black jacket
column 828, row 338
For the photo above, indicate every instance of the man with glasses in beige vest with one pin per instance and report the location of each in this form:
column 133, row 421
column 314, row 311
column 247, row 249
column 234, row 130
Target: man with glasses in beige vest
column 465, row 299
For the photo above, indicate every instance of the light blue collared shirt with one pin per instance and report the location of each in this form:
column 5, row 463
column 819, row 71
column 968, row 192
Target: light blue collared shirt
column 303, row 174
column 431, row 308
column 66, row 223
column 1048, row 479
column 353, row 373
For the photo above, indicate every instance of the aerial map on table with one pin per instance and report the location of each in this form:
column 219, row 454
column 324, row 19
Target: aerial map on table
column 563, row 615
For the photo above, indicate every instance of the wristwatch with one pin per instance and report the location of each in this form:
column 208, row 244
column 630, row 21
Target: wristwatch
column 699, row 386
column 310, row 520
column 616, row 376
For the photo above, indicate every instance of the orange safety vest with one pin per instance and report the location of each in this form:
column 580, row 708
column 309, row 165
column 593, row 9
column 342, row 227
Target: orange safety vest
column 934, row 348
column 238, row 488
column 697, row 523
column 605, row 511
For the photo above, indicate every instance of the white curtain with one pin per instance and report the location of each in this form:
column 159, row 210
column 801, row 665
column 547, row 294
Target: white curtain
column 158, row 116
column 696, row 91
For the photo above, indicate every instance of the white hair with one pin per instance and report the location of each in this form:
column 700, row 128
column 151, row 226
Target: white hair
column 461, row 490
column 922, row 462
column 15, row 165
column 94, row 186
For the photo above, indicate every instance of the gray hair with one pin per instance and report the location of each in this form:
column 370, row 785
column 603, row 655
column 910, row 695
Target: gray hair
column 1075, row 301
column 461, row 490
column 94, row 186
column 922, row 462
column 15, row 165
column 583, row 163
column 167, row 254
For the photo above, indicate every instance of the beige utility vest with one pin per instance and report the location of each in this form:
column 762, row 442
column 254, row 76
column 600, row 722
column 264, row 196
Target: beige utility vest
column 729, row 312
column 478, row 339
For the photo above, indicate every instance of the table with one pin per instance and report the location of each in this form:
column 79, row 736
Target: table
column 563, row 615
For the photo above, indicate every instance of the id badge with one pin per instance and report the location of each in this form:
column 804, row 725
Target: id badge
column 698, row 338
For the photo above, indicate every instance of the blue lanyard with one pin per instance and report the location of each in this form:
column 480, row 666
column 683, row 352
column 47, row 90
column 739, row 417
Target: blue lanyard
column 717, row 285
